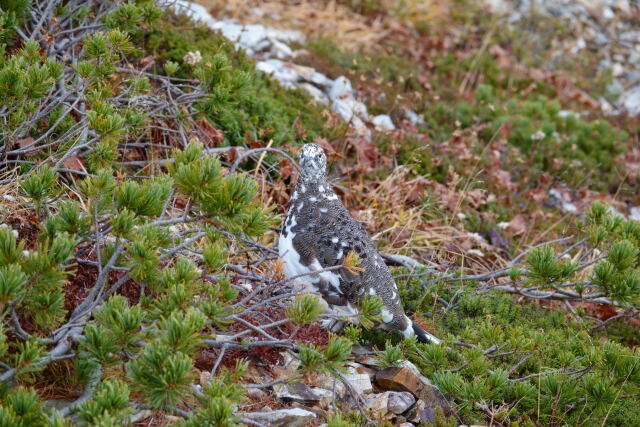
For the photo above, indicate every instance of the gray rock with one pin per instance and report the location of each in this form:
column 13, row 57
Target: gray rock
column 413, row 117
column 301, row 393
column 557, row 199
column 630, row 101
column 600, row 39
column 283, row 417
column 632, row 76
column 615, row 88
column 400, row 401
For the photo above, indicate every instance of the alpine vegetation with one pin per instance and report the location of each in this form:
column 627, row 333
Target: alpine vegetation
column 165, row 259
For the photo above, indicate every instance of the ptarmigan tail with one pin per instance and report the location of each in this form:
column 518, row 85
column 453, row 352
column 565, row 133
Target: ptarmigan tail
column 423, row 336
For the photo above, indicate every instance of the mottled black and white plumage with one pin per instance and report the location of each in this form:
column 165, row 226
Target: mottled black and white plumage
column 318, row 233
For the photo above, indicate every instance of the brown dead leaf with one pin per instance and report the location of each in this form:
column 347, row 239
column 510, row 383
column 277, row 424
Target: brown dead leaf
column 366, row 152
column 502, row 179
column 74, row 163
column 287, row 169
column 517, row 225
column 24, row 142
column 208, row 133
column 147, row 61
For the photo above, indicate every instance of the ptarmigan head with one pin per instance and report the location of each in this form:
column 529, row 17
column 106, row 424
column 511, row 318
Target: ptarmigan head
column 313, row 162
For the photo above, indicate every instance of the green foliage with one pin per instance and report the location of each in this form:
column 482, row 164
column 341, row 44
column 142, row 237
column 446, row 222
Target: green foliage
column 391, row 356
column 163, row 377
column 332, row 359
column 242, row 102
column 111, row 399
column 369, row 310
column 544, row 268
column 22, row 407
column 305, row 309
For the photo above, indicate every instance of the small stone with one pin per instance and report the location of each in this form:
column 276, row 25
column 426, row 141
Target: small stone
column 350, row 110
column 635, row 213
column 316, row 93
column 378, row 403
column 617, row 70
column 361, row 383
column 400, row 401
column 340, row 88
column 283, row 417
column 630, row 101
column 205, row 377
column 413, row 117
column 405, row 425
column 403, row 379
column 608, row 14
column 301, row 393
column 615, row 88
column 383, row 121
column 280, row 50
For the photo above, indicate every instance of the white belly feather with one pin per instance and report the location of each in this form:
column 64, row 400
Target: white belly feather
column 294, row 267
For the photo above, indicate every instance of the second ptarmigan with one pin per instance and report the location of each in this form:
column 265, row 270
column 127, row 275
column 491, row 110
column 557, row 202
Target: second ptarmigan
column 318, row 233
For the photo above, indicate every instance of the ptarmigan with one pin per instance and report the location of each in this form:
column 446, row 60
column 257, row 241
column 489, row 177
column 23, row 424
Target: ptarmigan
column 318, row 233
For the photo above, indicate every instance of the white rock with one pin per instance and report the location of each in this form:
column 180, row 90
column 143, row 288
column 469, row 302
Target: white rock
column 280, row 49
column 316, row 93
column 413, row 117
column 580, row 44
column 276, row 69
column 360, row 382
column 400, row 401
column 254, row 38
column 340, row 88
column 630, row 101
column 608, row 14
column 348, row 108
column 635, row 213
column 564, row 205
column 383, row 121
column 617, row 70
column 283, row 417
